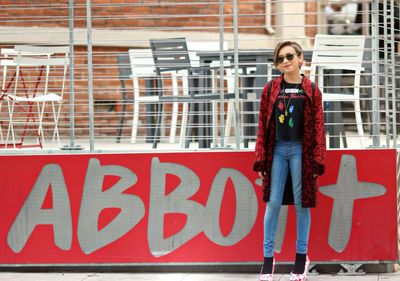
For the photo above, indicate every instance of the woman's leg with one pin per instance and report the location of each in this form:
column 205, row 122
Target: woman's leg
column 279, row 173
column 303, row 217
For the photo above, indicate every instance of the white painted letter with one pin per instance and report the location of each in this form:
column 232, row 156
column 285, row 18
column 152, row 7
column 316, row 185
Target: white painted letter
column 32, row 215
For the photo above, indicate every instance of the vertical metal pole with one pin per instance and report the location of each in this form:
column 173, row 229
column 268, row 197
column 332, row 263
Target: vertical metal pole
column 71, row 76
column 375, row 73
column 236, row 61
column 221, row 71
column 71, row 81
column 385, row 64
column 392, row 61
column 72, row 145
column 90, row 73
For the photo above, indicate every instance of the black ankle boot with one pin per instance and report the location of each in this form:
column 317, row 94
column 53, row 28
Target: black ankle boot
column 300, row 263
column 268, row 265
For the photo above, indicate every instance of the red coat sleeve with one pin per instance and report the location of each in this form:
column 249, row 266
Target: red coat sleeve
column 319, row 134
column 260, row 149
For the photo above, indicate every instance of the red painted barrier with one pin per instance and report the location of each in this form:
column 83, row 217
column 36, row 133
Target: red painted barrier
column 186, row 207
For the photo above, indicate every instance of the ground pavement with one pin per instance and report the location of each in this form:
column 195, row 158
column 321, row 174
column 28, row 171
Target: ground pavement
column 10, row 276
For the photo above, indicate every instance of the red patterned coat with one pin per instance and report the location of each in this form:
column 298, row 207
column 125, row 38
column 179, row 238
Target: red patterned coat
column 313, row 144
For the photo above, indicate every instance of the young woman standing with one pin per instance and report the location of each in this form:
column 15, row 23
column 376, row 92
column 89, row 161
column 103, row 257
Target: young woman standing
column 290, row 153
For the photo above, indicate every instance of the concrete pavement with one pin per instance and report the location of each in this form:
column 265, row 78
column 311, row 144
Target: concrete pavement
column 11, row 276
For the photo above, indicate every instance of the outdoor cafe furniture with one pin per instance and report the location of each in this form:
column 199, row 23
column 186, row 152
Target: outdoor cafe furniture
column 172, row 55
column 199, row 85
column 143, row 68
column 340, row 53
column 27, row 72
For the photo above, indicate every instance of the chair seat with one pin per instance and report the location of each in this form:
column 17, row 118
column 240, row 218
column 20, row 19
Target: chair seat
column 38, row 98
column 338, row 97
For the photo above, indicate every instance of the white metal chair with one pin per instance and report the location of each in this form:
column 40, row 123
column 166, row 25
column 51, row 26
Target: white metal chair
column 7, row 64
column 7, row 54
column 340, row 52
column 194, row 46
column 142, row 66
column 43, row 64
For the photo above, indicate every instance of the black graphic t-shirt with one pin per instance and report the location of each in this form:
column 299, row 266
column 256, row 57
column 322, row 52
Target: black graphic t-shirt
column 289, row 112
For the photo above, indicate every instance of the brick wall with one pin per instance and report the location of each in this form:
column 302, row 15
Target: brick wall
column 124, row 14
column 311, row 18
column 143, row 14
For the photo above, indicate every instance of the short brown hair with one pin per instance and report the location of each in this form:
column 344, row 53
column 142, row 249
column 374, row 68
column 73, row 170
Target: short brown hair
column 296, row 46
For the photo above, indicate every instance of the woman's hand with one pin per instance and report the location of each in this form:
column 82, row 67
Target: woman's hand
column 262, row 174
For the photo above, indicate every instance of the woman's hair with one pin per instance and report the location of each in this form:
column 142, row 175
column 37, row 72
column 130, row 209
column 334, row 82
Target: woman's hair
column 296, row 46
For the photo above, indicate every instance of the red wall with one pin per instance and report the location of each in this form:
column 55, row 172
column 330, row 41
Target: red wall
column 185, row 207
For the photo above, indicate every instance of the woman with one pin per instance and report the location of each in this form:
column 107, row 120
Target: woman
column 290, row 153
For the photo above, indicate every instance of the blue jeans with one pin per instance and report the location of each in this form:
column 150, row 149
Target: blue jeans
column 287, row 153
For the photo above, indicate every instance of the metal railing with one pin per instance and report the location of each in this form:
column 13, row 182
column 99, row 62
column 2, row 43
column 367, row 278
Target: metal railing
column 111, row 105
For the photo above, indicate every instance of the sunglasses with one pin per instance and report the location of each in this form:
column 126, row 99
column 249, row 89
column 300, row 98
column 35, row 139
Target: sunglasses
column 288, row 56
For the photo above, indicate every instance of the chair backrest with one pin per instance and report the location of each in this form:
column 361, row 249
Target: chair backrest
column 5, row 62
column 12, row 52
column 53, row 61
column 170, row 54
column 142, row 63
column 8, row 54
column 337, row 52
column 30, row 50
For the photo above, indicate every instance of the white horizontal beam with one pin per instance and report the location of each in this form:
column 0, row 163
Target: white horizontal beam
column 121, row 38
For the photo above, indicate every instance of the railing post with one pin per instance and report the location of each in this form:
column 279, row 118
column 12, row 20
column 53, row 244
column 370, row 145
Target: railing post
column 90, row 73
column 394, row 77
column 71, row 81
column 221, row 71
column 71, row 75
column 375, row 72
column 387, row 105
column 236, row 61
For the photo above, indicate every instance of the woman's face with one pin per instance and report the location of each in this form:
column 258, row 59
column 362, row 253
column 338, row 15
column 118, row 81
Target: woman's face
column 291, row 62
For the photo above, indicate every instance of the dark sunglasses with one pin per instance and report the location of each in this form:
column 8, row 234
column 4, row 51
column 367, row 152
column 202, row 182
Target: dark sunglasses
column 288, row 56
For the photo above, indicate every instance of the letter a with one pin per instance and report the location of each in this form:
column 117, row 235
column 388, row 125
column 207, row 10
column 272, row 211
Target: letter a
column 32, row 215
